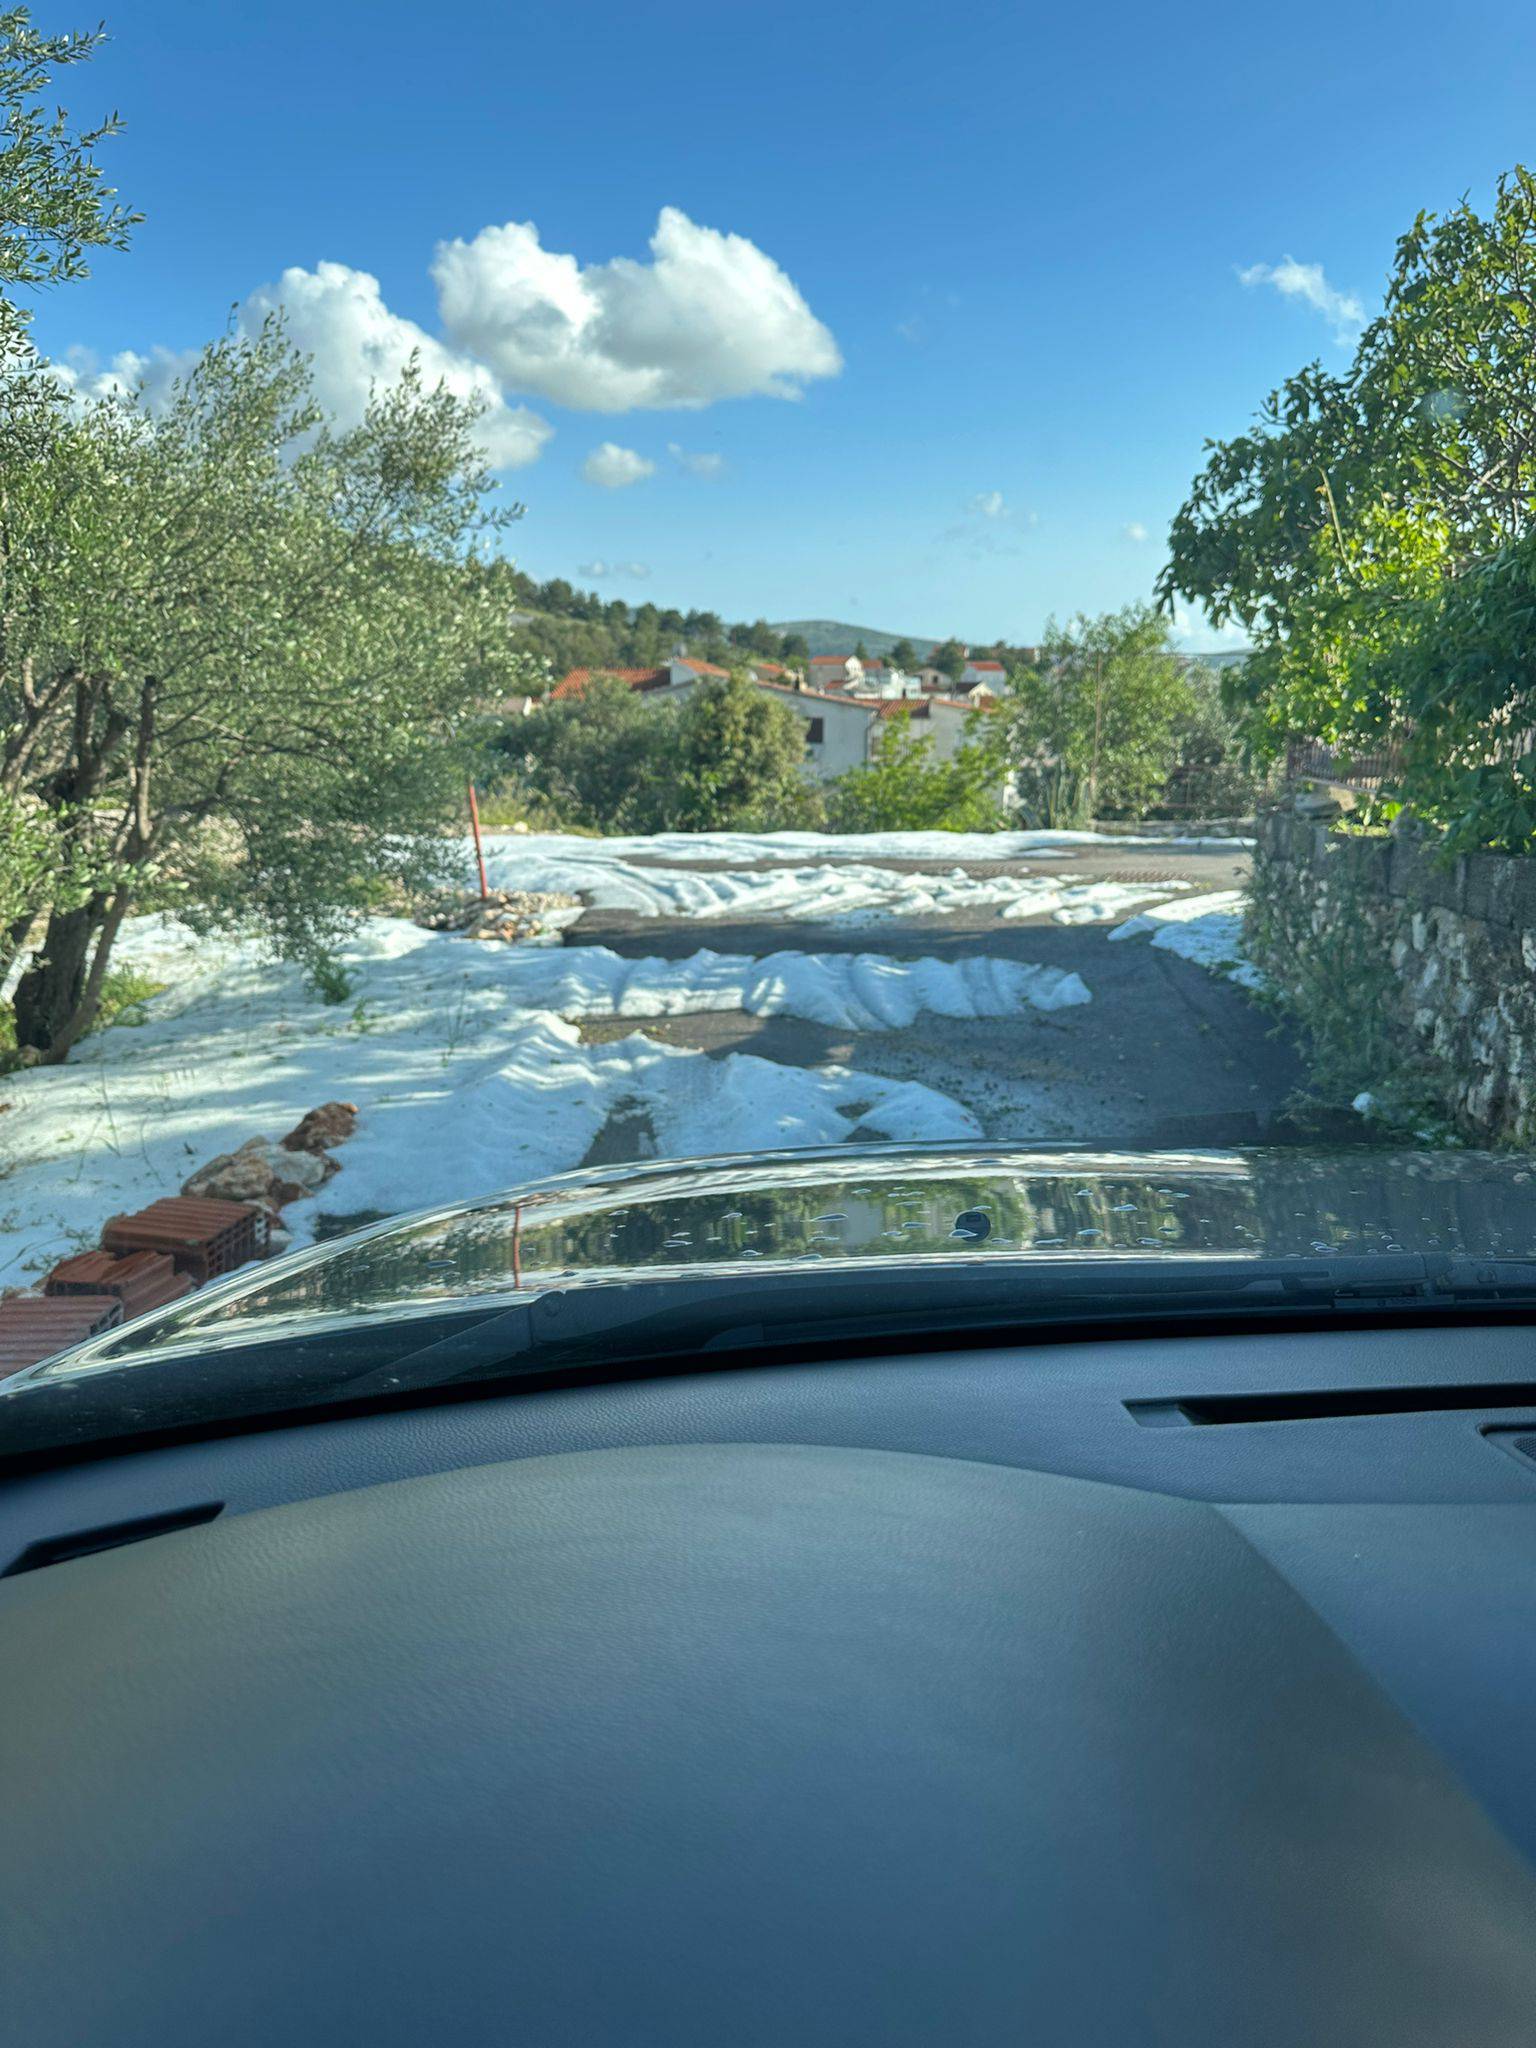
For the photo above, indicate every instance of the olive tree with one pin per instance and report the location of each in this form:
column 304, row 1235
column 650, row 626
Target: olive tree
column 54, row 201
column 241, row 658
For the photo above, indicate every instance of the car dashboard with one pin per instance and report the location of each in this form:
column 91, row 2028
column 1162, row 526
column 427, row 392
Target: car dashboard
column 1169, row 1688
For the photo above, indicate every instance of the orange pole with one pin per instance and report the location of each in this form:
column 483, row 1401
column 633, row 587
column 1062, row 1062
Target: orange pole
column 474, row 819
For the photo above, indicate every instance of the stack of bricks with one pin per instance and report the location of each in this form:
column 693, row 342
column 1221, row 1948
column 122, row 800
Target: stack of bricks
column 203, row 1238
column 140, row 1280
column 147, row 1260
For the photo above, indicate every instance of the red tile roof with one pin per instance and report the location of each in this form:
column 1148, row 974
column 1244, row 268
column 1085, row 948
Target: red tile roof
column 573, row 684
column 821, row 696
column 992, row 666
column 700, row 668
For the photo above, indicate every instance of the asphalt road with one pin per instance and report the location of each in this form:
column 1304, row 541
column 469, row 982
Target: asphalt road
column 1166, row 1054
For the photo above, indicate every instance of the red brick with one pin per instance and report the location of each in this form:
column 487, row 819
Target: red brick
column 140, row 1280
column 205, row 1238
column 32, row 1329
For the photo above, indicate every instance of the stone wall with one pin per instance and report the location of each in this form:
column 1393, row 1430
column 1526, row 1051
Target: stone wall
column 1430, row 962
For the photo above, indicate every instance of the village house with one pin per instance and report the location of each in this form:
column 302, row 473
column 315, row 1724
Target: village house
column 943, row 720
column 838, row 726
column 981, row 675
column 841, row 723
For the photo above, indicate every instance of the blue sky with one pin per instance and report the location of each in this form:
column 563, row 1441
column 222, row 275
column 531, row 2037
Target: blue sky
column 1018, row 233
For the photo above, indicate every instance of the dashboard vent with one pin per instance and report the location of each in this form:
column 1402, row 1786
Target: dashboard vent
column 1327, row 1402
column 108, row 1536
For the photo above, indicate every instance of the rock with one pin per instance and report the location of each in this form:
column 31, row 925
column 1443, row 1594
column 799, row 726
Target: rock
column 259, row 1172
column 331, row 1124
column 506, row 914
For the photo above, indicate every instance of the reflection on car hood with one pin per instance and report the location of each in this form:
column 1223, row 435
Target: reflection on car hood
column 908, row 1204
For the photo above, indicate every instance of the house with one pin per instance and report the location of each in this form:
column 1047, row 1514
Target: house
column 685, row 669
column 981, row 675
column 943, row 720
column 575, row 681
column 838, row 726
column 672, row 677
column 830, row 672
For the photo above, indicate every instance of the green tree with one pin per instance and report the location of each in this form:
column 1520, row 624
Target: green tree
column 611, row 759
column 905, row 787
column 904, row 655
column 1213, row 775
column 794, row 647
column 597, row 761
column 55, row 204
column 950, row 658
column 1092, row 729
column 1325, row 529
column 243, row 659
column 1462, row 676
column 739, row 762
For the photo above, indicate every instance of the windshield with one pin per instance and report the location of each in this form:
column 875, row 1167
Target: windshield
column 579, row 595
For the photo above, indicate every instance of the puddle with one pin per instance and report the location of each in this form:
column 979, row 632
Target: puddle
column 627, row 1135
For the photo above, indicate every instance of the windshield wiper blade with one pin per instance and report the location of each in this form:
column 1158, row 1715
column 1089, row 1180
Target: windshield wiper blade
column 647, row 1320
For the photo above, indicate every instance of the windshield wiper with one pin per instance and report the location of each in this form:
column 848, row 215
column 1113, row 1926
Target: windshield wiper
column 653, row 1320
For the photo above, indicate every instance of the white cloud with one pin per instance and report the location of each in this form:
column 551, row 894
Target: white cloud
column 614, row 467
column 988, row 525
column 704, row 465
column 1305, row 281
column 81, row 370
column 338, row 317
column 603, row 572
column 1136, row 531
column 710, row 317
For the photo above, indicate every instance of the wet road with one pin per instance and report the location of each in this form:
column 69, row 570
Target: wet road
column 1167, row 1054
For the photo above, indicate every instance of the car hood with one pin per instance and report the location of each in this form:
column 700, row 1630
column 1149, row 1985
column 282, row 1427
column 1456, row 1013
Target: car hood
column 900, row 1206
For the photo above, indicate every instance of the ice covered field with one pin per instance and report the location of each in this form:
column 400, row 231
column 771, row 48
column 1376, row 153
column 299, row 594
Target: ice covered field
column 690, row 849
column 704, row 875
column 468, row 1062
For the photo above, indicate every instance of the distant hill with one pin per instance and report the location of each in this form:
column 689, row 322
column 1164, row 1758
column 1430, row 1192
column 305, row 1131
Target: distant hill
column 833, row 636
column 1226, row 658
